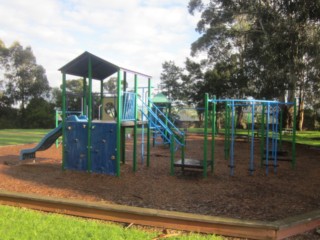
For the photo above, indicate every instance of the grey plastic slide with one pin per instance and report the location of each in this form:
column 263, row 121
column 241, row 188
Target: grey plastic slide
column 44, row 144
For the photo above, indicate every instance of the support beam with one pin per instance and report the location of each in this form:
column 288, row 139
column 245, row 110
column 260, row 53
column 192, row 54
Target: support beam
column 119, row 114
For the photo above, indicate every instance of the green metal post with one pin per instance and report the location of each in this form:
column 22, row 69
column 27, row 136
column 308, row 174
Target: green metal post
column 213, row 132
column 262, row 152
column 89, row 166
column 64, row 105
column 171, row 155
column 148, row 130
column 294, row 127
column 206, row 101
column 84, row 95
column 119, row 114
column 135, row 140
column 101, row 99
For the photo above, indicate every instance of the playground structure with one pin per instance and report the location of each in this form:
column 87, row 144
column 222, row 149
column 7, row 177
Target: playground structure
column 269, row 132
column 97, row 145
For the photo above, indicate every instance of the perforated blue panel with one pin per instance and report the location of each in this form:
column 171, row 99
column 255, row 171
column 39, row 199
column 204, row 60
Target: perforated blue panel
column 104, row 148
column 76, row 146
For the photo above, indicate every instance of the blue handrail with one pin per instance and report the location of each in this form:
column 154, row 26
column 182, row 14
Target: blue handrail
column 164, row 125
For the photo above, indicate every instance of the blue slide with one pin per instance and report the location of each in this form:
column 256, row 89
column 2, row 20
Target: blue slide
column 44, row 144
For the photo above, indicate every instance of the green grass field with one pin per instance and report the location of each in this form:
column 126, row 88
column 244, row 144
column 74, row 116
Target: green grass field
column 17, row 223
column 21, row 136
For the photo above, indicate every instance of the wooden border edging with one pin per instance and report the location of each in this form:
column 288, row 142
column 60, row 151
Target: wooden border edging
column 166, row 219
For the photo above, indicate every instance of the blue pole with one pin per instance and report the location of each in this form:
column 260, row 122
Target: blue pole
column 267, row 138
column 252, row 140
column 142, row 132
column 276, row 140
column 232, row 140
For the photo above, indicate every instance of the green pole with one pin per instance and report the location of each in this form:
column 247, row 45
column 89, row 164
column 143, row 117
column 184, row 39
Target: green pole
column 213, row 132
column 84, row 94
column 280, row 129
column 148, row 130
column 171, row 155
column 64, row 105
column 89, row 166
column 101, row 99
column 262, row 136
column 119, row 114
column 135, row 140
column 206, row 100
column 294, row 127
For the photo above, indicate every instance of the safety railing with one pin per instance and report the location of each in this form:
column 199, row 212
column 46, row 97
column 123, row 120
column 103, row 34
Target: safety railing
column 160, row 122
column 128, row 106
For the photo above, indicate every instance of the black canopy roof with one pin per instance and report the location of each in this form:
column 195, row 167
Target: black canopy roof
column 101, row 68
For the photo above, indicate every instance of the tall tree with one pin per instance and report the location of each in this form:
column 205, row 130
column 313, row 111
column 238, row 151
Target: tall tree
column 274, row 42
column 171, row 80
column 24, row 79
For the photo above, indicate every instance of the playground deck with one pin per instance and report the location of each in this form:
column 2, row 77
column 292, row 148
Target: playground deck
column 257, row 197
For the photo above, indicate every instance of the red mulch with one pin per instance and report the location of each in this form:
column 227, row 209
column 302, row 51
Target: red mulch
column 259, row 197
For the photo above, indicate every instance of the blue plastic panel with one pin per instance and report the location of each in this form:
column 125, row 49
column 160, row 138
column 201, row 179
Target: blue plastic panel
column 76, row 146
column 103, row 154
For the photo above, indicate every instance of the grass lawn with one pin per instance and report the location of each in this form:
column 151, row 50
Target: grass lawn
column 311, row 138
column 17, row 223
column 21, row 136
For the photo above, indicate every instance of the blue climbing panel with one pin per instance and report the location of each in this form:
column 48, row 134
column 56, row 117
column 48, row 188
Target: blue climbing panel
column 103, row 147
column 103, row 154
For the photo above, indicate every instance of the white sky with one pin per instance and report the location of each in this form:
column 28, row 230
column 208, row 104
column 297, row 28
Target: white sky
column 136, row 34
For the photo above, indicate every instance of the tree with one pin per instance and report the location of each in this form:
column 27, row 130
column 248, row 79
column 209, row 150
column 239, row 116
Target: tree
column 170, row 77
column 39, row 114
column 274, row 42
column 191, row 76
column 24, row 79
column 111, row 85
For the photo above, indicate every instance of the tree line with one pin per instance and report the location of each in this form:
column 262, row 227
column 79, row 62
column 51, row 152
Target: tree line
column 264, row 49
column 26, row 98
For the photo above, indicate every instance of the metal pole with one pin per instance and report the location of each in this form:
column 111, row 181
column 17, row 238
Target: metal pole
column 206, row 100
column 262, row 150
column 89, row 163
column 142, row 128
column 213, row 132
column 171, row 155
column 232, row 165
column 251, row 167
column 267, row 139
column 149, row 130
column 84, row 107
column 294, row 128
column 57, row 124
column 119, row 113
column 64, row 105
column 275, row 164
column 280, row 129
column 101, row 99
column 226, row 126
column 135, row 124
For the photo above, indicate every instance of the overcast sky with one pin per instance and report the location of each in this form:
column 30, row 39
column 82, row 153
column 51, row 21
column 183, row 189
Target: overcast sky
column 136, row 34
